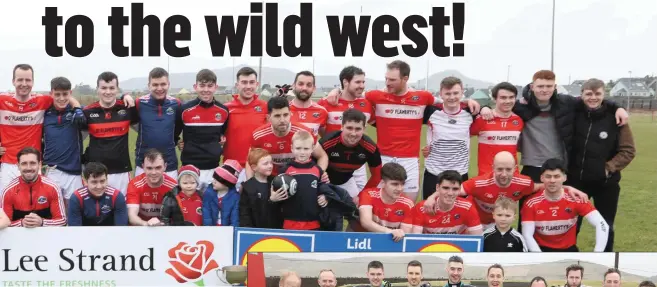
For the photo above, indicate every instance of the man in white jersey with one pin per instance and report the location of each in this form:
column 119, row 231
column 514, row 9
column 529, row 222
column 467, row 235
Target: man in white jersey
column 448, row 135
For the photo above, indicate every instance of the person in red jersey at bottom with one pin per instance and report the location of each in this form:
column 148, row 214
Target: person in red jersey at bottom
column 146, row 191
column 247, row 113
column 4, row 220
column 452, row 215
column 276, row 137
column 549, row 218
column 182, row 205
column 386, row 209
column 503, row 181
column 32, row 200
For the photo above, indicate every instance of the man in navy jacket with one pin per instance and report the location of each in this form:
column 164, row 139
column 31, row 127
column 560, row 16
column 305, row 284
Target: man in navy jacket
column 97, row 204
column 157, row 121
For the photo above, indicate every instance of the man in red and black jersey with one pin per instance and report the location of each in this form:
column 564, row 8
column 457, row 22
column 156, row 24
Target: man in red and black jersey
column 203, row 122
column 108, row 124
column 348, row 150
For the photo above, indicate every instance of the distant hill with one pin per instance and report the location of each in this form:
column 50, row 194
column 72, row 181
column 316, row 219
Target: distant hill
column 434, row 268
column 276, row 76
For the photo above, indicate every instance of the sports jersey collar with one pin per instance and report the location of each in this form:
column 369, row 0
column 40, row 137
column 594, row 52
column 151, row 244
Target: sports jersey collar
column 293, row 103
column 563, row 193
column 64, row 110
column 437, row 209
column 452, row 114
column 97, row 197
column 194, row 195
column 236, row 99
column 206, row 105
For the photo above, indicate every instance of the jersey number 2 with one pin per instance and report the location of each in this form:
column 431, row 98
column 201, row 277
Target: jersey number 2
column 554, row 213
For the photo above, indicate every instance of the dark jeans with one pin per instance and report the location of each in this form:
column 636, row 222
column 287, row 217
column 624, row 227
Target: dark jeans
column 534, row 173
column 430, row 181
column 569, row 249
column 605, row 199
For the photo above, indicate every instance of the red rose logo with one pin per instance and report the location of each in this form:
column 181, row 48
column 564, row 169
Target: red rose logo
column 388, row 111
column 190, row 263
column 336, row 118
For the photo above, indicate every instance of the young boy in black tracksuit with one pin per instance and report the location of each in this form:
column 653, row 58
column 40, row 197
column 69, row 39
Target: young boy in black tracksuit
column 259, row 204
column 301, row 210
column 502, row 237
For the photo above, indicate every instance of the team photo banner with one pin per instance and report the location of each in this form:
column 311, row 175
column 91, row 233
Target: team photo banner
column 115, row 256
column 250, row 240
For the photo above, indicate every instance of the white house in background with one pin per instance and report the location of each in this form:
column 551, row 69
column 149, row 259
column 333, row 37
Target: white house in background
column 574, row 90
column 561, row 89
column 653, row 87
column 625, row 87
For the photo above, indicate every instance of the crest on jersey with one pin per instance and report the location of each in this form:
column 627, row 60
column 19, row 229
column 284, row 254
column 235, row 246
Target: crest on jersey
column 457, row 216
column 569, row 210
column 603, row 135
column 199, row 211
column 258, row 109
column 122, row 112
column 217, row 116
column 314, row 184
column 170, row 111
column 362, row 104
column 32, row 105
column 399, row 212
column 415, row 98
column 516, row 194
column 452, row 121
column 42, row 200
column 515, row 122
column 316, row 115
column 362, row 155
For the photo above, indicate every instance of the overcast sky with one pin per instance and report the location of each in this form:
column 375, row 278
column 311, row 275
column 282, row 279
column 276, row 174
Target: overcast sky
column 593, row 38
column 644, row 264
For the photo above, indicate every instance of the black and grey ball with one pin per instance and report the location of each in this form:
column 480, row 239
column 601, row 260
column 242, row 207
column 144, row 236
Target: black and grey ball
column 287, row 182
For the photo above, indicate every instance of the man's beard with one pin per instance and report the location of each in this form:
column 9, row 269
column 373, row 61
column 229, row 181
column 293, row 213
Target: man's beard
column 302, row 96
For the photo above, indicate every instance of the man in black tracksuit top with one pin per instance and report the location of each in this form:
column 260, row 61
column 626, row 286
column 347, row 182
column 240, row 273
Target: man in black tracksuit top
column 600, row 151
column 203, row 123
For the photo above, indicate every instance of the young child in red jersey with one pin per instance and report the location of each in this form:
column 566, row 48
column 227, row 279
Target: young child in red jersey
column 221, row 199
column 183, row 204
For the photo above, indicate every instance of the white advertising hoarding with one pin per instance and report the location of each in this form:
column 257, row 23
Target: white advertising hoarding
column 114, row 256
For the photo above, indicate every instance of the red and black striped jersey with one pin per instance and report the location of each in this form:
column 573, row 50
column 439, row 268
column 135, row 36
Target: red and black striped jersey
column 344, row 159
column 108, row 135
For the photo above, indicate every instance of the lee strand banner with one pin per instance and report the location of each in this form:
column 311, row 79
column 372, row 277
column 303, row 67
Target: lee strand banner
column 249, row 240
column 115, row 256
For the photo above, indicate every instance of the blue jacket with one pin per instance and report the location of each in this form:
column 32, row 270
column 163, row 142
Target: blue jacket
column 157, row 123
column 108, row 210
column 62, row 139
column 230, row 214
